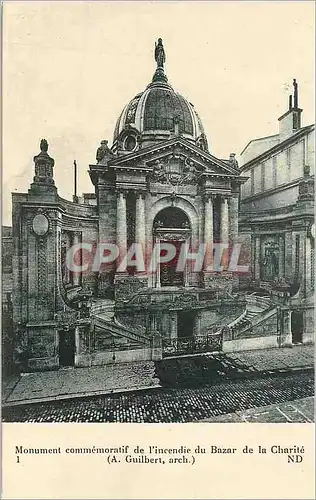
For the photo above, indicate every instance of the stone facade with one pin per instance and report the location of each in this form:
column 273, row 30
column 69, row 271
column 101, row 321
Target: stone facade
column 277, row 216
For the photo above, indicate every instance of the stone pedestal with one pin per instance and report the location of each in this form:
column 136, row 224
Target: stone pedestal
column 42, row 355
column 156, row 352
column 285, row 328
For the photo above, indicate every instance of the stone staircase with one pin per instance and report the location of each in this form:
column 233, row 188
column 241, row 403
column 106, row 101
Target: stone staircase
column 103, row 318
column 258, row 309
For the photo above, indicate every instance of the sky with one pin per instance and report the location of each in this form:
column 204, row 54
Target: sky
column 69, row 68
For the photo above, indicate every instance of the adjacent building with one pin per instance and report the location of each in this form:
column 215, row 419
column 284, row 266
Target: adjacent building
column 277, row 215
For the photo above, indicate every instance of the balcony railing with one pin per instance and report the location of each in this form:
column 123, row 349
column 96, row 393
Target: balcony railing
column 191, row 345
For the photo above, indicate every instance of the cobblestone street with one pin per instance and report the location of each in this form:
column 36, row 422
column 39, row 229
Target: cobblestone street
column 171, row 404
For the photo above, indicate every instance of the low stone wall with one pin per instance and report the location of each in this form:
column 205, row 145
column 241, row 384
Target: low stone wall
column 249, row 344
column 42, row 347
column 106, row 357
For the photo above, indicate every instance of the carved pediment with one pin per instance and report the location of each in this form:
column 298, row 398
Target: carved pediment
column 182, row 162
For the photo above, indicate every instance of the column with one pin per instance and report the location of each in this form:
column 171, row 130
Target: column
column 281, row 256
column 68, row 245
column 208, row 230
column 197, row 324
column 257, row 258
column 173, row 325
column 121, row 226
column 140, row 218
column 287, row 327
column 157, row 262
column 153, row 323
column 140, row 222
column 308, row 265
column 233, row 218
column 187, row 269
column 224, row 230
column 288, row 269
column 77, row 343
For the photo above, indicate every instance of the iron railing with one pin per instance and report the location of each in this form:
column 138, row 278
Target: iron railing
column 191, row 345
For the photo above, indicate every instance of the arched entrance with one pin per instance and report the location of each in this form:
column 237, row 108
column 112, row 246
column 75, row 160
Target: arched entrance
column 297, row 327
column 171, row 225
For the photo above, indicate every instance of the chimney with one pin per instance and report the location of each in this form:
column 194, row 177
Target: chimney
column 290, row 122
column 290, row 102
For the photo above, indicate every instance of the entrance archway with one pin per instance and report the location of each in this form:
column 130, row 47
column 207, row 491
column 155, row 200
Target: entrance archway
column 172, row 217
column 171, row 225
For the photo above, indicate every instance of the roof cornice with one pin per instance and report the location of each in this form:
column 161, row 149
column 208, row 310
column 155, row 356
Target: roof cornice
column 277, row 147
column 181, row 141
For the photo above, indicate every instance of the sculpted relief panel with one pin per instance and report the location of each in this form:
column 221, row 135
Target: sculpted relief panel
column 175, row 171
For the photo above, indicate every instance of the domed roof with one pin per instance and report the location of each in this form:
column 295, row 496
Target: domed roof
column 158, row 112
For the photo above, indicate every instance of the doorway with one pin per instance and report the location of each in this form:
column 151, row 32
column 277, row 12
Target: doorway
column 186, row 320
column 66, row 348
column 169, row 276
column 297, row 326
column 172, row 226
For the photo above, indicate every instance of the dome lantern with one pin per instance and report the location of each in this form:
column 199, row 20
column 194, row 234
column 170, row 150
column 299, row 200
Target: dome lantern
column 156, row 114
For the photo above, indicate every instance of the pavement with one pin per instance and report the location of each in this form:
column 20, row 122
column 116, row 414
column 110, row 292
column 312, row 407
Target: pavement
column 72, row 382
column 296, row 357
column 69, row 383
column 297, row 411
column 247, row 397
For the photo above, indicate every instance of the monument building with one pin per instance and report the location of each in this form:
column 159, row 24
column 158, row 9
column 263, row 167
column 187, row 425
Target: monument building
column 153, row 262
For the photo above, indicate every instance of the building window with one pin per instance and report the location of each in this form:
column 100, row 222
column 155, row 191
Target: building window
column 252, row 181
column 274, row 171
column 263, row 177
column 130, row 143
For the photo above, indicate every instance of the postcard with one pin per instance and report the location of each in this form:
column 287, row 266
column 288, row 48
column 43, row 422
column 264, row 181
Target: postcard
column 158, row 250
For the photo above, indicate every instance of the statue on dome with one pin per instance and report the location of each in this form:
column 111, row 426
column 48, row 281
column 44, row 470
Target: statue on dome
column 160, row 55
column 104, row 153
column 44, row 146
